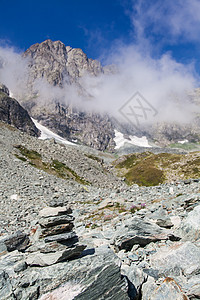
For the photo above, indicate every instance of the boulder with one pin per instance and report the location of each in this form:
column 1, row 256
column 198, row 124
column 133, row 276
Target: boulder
column 138, row 231
column 169, row 290
column 177, row 258
column 16, row 241
column 93, row 277
column 190, row 227
column 135, row 276
column 164, row 222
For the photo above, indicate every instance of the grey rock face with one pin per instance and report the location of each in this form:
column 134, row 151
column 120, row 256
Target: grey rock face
column 4, row 89
column 62, row 65
column 58, row 64
column 11, row 112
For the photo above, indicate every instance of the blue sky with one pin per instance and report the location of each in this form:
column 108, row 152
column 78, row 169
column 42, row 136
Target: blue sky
column 99, row 26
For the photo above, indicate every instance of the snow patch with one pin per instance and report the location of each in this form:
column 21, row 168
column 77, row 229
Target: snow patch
column 183, row 142
column 48, row 134
column 11, row 94
column 134, row 140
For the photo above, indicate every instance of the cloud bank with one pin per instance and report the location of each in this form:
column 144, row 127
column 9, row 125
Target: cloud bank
column 160, row 79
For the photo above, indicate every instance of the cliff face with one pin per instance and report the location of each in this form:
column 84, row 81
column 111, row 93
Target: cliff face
column 11, row 112
column 59, row 65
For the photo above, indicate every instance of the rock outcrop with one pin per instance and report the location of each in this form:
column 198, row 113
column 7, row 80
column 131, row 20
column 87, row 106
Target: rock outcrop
column 11, row 112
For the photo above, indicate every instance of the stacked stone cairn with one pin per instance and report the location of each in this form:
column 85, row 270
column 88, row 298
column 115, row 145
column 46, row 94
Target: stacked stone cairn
column 52, row 238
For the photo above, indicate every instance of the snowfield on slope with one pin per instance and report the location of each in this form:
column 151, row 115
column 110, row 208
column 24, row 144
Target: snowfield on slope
column 48, row 134
column 134, row 140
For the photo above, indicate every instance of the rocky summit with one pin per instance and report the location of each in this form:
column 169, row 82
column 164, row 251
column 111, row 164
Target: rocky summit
column 61, row 66
column 70, row 228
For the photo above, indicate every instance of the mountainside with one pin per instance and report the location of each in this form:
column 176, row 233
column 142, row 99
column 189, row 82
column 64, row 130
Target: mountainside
column 61, row 65
column 57, row 96
column 11, row 112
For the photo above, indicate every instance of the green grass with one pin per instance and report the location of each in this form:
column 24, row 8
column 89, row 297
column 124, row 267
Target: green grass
column 21, row 157
column 54, row 167
column 93, row 157
column 141, row 169
column 30, row 154
column 64, row 171
column 148, row 169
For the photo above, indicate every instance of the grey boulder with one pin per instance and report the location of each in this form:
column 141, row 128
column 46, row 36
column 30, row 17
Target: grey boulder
column 142, row 232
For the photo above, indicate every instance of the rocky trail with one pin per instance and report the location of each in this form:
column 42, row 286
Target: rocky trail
column 71, row 229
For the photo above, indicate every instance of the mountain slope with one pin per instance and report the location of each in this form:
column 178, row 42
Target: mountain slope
column 11, row 112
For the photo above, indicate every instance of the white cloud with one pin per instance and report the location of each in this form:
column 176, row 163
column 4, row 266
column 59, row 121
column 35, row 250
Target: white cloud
column 162, row 81
column 13, row 70
column 172, row 20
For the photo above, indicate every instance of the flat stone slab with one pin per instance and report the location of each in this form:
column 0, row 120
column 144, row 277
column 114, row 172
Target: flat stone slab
column 54, row 211
column 48, row 259
column 58, row 229
column 56, row 220
column 60, row 237
column 16, row 241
